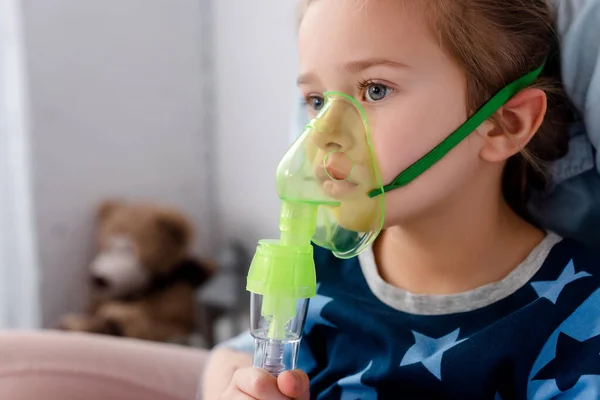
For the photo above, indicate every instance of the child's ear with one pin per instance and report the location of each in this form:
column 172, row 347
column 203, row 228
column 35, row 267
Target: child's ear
column 518, row 120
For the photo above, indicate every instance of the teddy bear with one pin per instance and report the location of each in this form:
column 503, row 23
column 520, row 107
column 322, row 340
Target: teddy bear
column 143, row 279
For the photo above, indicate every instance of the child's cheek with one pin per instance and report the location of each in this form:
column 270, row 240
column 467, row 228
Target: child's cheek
column 408, row 128
column 398, row 144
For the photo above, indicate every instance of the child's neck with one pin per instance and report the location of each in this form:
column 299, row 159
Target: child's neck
column 456, row 252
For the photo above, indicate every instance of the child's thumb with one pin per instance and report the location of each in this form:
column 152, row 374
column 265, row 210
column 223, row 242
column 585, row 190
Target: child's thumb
column 294, row 384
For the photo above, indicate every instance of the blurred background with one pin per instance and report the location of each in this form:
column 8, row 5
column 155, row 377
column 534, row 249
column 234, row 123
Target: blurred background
column 182, row 103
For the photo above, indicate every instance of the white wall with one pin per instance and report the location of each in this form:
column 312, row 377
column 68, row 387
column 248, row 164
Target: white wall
column 256, row 65
column 115, row 92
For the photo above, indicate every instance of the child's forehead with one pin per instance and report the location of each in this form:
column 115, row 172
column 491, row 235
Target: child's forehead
column 361, row 11
column 363, row 29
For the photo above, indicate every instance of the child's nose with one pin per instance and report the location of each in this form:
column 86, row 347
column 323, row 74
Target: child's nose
column 332, row 133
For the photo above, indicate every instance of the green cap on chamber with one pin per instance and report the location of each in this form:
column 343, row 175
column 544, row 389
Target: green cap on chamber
column 282, row 271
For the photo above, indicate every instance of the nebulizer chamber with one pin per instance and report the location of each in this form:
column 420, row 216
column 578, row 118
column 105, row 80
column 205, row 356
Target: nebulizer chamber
column 279, row 301
column 323, row 181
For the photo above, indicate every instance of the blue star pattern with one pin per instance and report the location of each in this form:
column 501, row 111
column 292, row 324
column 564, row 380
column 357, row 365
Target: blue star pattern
column 315, row 308
column 581, row 326
column 353, row 388
column 573, row 360
column 552, row 289
column 429, row 351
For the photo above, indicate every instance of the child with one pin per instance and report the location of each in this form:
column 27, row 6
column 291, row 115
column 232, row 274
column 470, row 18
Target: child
column 461, row 296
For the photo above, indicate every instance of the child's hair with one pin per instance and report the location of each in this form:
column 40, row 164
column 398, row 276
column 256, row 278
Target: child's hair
column 496, row 42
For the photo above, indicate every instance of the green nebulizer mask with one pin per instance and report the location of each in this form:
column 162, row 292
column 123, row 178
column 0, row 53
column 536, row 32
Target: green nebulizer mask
column 324, row 181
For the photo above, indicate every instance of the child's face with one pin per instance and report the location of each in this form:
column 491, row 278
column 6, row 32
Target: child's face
column 414, row 94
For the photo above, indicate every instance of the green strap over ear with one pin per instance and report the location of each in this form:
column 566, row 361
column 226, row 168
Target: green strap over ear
column 485, row 112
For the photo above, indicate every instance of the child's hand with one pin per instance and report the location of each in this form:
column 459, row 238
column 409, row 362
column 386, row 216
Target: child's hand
column 257, row 384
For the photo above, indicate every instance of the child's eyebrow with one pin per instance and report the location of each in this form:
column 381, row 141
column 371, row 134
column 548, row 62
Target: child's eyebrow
column 305, row 79
column 356, row 67
column 361, row 65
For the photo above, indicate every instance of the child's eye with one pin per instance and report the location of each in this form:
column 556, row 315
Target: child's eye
column 315, row 102
column 376, row 92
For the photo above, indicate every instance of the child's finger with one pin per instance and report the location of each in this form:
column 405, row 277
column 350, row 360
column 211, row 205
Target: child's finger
column 294, row 384
column 257, row 383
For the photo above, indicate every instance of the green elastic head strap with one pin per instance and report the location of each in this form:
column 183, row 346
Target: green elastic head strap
column 485, row 112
